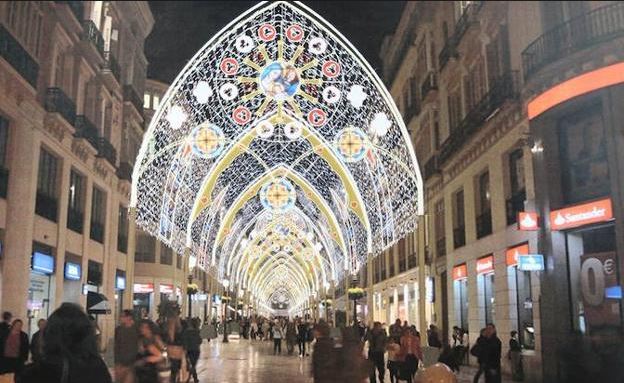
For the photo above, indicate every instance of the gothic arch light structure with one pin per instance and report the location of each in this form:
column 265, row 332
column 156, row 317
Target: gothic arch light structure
column 277, row 158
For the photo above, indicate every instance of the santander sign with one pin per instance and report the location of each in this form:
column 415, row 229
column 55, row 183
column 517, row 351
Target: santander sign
column 579, row 215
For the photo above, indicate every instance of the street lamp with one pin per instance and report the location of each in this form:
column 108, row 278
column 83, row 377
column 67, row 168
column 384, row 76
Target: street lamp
column 225, row 300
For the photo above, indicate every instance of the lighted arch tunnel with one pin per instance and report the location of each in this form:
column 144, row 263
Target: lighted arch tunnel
column 277, row 159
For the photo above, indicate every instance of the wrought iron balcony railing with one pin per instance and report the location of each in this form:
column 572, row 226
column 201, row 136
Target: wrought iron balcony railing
column 111, row 64
column 76, row 7
column 515, row 204
column 131, row 95
column 430, row 83
column 441, row 247
column 484, row 224
column 124, row 171
column 107, row 151
column 432, row 167
column 14, row 53
column 506, row 87
column 602, row 24
column 56, row 101
column 467, row 18
column 87, row 130
column 93, row 35
column 459, row 237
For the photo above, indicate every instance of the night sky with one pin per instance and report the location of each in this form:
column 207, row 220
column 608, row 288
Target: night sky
column 182, row 27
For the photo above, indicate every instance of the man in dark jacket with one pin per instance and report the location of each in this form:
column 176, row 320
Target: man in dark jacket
column 491, row 355
column 5, row 325
column 192, row 344
column 36, row 347
column 377, row 341
column 126, row 348
column 324, row 358
column 477, row 351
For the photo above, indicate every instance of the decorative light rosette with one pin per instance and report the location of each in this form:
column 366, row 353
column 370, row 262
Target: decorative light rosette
column 278, row 86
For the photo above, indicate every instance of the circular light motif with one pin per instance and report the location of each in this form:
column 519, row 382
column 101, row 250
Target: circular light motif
column 331, row 68
column 241, row 115
column 265, row 129
column 278, row 195
column 228, row 91
column 317, row 45
column 317, row 117
column 380, row 124
column 279, row 80
column 331, row 94
column 244, row 44
column 292, row 130
column 208, row 140
column 229, row 66
column 176, row 116
column 351, row 144
column 202, row 92
column 294, row 33
column 266, row 32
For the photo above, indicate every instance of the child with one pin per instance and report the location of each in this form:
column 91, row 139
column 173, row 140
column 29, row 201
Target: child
column 394, row 360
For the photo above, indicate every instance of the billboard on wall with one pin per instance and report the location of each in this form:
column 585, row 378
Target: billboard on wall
column 599, row 276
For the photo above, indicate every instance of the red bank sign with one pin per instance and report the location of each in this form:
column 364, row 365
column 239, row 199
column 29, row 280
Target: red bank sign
column 485, row 265
column 460, row 272
column 579, row 215
column 511, row 255
column 528, row 221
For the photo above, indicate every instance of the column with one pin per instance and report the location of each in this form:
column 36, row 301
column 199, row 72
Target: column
column 422, row 301
column 128, row 293
column 86, row 236
column 62, row 231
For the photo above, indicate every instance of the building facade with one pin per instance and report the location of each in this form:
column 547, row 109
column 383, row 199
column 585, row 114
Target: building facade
column 508, row 143
column 70, row 77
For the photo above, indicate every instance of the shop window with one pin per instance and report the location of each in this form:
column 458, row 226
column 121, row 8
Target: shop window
column 484, row 213
column 46, row 204
column 584, row 166
column 122, row 230
column 461, row 302
column 524, row 299
column 517, row 188
column 98, row 211
column 75, row 208
column 459, row 226
column 166, row 255
column 594, row 284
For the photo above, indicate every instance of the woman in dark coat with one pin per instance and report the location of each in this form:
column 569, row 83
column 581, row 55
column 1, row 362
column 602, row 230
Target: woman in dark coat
column 14, row 346
column 70, row 352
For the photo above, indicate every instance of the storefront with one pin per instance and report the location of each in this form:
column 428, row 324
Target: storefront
column 143, row 299
column 460, row 293
column 120, row 287
column 40, row 296
column 485, row 286
column 520, row 281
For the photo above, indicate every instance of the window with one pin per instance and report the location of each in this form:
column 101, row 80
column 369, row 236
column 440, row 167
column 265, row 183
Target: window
column 584, row 166
column 46, row 204
column 412, row 257
column 4, row 173
column 155, row 101
column 382, row 263
column 436, row 130
column 179, row 262
column 146, row 101
column 474, row 85
column 390, row 256
column 98, row 211
column 166, row 255
column 484, row 214
column 459, row 228
column 122, row 230
column 75, row 208
column 517, row 195
column 377, row 270
column 454, row 110
column 145, row 248
column 440, row 235
column 94, row 273
column 402, row 260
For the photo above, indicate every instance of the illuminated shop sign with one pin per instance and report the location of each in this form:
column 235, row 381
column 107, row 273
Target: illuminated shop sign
column 528, row 221
column 166, row 289
column 511, row 255
column 42, row 263
column 460, row 272
column 579, row 215
column 143, row 288
column 120, row 282
column 485, row 265
column 531, row 262
column 73, row 271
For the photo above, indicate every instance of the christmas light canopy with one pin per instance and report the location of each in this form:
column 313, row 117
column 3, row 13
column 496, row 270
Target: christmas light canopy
column 277, row 159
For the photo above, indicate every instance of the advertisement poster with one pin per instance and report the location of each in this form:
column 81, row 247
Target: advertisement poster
column 598, row 274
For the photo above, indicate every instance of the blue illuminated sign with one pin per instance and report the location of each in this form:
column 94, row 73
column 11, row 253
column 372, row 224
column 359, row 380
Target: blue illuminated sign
column 73, row 271
column 120, row 283
column 42, row 263
column 531, row 262
column 613, row 292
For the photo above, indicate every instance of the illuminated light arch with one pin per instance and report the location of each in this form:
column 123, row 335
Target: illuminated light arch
column 278, row 93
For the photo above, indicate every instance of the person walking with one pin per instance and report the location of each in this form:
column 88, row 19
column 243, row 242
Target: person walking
column 302, row 334
column 70, row 351
column 377, row 340
column 126, row 348
column 5, row 325
column 477, row 351
column 36, row 344
column 15, row 347
column 324, row 368
column 278, row 334
column 515, row 356
column 150, row 353
column 291, row 337
column 492, row 355
column 175, row 349
column 254, row 329
column 433, row 337
column 396, row 331
column 410, row 347
column 395, row 360
column 192, row 344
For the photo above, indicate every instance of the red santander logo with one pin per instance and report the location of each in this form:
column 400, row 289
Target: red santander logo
column 579, row 215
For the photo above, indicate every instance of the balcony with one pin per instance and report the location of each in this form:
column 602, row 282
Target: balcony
column 432, row 167
column 124, row 172
column 56, row 101
column 515, row 204
column 467, row 18
column 594, row 27
column 111, row 66
column 87, row 130
column 76, row 8
column 441, row 247
column 12, row 51
column 484, row 224
column 75, row 220
column 131, row 95
column 429, row 84
column 506, row 87
column 97, row 232
column 107, row 151
column 4, row 182
column 459, row 237
column 93, row 35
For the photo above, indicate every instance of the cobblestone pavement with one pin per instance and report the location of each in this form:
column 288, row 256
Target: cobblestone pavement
column 244, row 361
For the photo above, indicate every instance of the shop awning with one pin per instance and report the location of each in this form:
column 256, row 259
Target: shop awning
column 97, row 303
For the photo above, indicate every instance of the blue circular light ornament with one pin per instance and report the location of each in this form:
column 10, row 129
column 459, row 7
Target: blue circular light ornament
column 278, row 195
column 208, row 140
column 352, row 144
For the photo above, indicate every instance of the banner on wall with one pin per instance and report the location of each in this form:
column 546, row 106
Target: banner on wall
column 598, row 276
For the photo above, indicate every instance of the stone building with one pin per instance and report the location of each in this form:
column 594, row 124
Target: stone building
column 71, row 76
